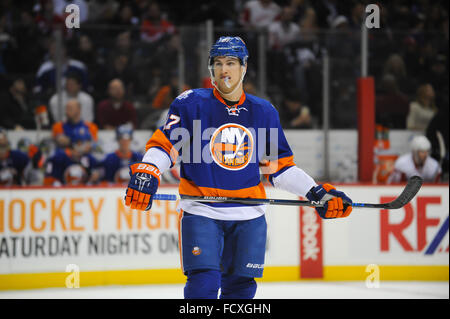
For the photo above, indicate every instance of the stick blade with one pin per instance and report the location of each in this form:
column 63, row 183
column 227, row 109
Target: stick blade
column 412, row 187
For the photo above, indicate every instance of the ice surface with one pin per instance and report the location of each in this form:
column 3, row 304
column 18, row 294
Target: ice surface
column 266, row 290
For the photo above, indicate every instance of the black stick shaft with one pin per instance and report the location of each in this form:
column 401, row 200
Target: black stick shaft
column 408, row 193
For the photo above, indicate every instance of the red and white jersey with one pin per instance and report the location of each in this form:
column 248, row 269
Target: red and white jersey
column 257, row 15
column 405, row 167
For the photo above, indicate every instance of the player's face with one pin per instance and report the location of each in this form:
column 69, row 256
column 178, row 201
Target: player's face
column 124, row 144
column 227, row 73
column 420, row 157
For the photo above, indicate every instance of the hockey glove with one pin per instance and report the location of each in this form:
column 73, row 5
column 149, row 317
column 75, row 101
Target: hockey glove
column 338, row 204
column 144, row 182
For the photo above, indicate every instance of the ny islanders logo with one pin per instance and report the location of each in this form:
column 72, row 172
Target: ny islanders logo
column 232, row 146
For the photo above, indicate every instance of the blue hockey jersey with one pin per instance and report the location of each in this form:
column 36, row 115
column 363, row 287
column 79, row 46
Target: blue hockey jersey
column 63, row 168
column 222, row 149
column 12, row 168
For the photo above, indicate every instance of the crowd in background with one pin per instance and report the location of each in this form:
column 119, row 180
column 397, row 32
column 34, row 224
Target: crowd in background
column 121, row 66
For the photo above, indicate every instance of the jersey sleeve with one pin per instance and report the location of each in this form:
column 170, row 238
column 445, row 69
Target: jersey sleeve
column 93, row 129
column 278, row 155
column 169, row 137
column 57, row 129
column 54, row 170
column 279, row 168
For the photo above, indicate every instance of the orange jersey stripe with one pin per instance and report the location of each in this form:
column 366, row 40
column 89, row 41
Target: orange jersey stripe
column 271, row 167
column 217, row 95
column 57, row 129
column 93, row 129
column 189, row 188
column 158, row 139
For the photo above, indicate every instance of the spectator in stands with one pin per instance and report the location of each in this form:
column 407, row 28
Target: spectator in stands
column 357, row 15
column 299, row 7
column 86, row 53
column 259, row 14
column 422, row 109
column 161, row 103
column 72, row 91
column 115, row 110
column 15, row 107
column 344, row 45
column 167, row 93
column 327, row 11
column 308, row 25
column 102, row 12
column 343, row 106
column 154, row 83
column 115, row 165
column 300, row 61
column 395, row 65
column 165, row 54
column 12, row 162
column 46, row 75
column 46, row 18
column 341, row 43
column 125, row 17
column 154, row 27
column 65, row 131
column 123, row 43
column 74, row 165
column 120, row 69
column 283, row 31
column 294, row 114
column 391, row 104
column 417, row 162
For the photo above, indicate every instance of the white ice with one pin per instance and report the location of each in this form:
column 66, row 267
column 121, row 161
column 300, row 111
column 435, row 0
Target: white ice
column 266, row 290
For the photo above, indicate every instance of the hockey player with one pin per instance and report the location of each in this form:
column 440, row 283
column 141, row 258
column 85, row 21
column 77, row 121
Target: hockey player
column 223, row 136
column 417, row 162
column 74, row 165
column 63, row 132
column 12, row 162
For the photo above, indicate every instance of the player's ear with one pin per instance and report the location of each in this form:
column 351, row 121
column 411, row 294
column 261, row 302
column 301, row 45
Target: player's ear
column 244, row 69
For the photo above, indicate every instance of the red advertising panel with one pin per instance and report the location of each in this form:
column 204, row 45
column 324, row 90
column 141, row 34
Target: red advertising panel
column 311, row 250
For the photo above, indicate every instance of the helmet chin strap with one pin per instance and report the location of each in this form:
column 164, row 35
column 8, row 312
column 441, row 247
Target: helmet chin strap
column 213, row 82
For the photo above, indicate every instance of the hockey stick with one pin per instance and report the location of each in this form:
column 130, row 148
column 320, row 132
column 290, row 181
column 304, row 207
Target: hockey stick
column 408, row 193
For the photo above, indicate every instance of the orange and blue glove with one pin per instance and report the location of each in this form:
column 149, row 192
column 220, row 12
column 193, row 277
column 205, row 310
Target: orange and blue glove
column 144, row 182
column 337, row 205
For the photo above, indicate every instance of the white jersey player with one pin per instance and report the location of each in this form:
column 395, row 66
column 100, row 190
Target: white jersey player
column 417, row 162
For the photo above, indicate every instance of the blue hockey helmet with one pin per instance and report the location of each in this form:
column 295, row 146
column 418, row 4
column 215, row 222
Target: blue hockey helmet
column 229, row 46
